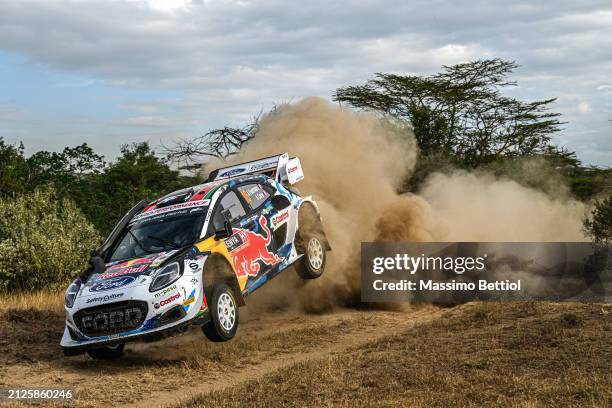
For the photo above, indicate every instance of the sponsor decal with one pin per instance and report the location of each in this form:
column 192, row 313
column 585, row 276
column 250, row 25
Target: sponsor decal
column 232, row 172
column 188, row 204
column 105, row 298
column 292, row 169
column 234, row 242
column 165, row 291
column 132, row 262
column 124, row 271
column 189, row 300
column 112, row 283
column 171, row 299
column 278, row 219
column 193, row 265
column 193, row 281
column 263, row 165
column 248, row 249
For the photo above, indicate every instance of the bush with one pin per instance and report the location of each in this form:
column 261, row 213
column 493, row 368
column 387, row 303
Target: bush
column 599, row 225
column 44, row 242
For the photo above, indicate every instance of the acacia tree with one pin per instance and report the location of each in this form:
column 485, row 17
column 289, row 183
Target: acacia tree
column 461, row 111
column 217, row 143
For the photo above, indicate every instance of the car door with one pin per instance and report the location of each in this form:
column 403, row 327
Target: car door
column 249, row 244
column 256, row 226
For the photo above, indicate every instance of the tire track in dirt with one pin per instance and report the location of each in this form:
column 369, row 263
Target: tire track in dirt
column 171, row 371
column 363, row 327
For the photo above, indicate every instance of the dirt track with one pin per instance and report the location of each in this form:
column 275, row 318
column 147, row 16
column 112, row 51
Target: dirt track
column 173, row 370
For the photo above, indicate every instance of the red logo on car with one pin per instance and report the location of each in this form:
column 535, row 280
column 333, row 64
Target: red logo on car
column 170, row 299
column 254, row 249
column 280, row 218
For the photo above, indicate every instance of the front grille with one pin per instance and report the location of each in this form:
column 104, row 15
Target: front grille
column 111, row 318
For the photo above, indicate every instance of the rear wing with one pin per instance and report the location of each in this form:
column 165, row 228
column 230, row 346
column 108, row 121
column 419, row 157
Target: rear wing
column 280, row 167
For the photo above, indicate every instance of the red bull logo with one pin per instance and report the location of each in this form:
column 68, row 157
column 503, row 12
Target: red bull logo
column 248, row 249
column 124, row 271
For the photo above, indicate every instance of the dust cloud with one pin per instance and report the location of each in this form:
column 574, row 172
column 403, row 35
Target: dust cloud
column 354, row 164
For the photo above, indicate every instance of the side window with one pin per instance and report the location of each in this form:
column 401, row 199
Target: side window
column 230, row 209
column 254, row 195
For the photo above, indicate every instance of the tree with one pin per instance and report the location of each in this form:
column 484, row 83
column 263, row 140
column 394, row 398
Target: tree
column 599, row 225
column 14, row 169
column 461, row 111
column 136, row 174
column 102, row 191
column 67, row 170
column 217, row 143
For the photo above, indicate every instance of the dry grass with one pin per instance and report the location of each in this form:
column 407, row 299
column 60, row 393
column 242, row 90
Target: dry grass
column 513, row 354
column 31, row 325
column 42, row 300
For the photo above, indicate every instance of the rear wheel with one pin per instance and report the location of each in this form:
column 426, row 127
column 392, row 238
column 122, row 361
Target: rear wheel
column 311, row 243
column 106, row 353
column 223, row 314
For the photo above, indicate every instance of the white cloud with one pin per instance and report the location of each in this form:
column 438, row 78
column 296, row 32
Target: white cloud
column 584, row 107
column 228, row 59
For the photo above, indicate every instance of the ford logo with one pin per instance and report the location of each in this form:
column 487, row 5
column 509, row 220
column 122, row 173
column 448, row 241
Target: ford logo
column 112, row 283
column 231, row 172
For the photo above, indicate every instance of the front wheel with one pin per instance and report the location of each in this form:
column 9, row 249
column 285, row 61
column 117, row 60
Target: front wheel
column 106, row 353
column 223, row 313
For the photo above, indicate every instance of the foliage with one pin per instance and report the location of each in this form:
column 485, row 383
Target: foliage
column 43, row 241
column 599, row 225
column 104, row 192
column 14, row 170
column 138, row 173
column 461, row 111
column 589, row 182
column 64, row 170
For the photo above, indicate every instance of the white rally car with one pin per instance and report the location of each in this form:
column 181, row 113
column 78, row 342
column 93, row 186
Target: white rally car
column 192, row 256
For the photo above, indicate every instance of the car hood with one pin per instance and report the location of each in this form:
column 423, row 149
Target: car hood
column 125, row 273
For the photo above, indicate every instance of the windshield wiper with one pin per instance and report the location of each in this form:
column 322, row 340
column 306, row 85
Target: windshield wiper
column 173, row 244
column 139, row 243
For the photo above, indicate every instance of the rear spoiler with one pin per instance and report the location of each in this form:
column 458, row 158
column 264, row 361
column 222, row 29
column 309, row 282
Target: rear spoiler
column 280, row 167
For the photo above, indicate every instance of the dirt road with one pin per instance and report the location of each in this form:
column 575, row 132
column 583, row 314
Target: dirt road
column 176, row 369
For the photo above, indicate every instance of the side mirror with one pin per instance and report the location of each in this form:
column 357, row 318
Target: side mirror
column 226, row 232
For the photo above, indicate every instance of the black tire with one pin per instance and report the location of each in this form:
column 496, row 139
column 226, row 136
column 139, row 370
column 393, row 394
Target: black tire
column 221, row 303
column 310, row 241
column 106, row 353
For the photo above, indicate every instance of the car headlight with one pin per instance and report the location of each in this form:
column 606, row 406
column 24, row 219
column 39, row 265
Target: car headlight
column 164, row 276
column 71, row 293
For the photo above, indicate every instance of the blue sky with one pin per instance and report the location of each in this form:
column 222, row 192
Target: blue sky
column 109, row 72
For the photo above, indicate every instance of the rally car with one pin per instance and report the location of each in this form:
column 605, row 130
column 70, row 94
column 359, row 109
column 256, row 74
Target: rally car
column 193, row 256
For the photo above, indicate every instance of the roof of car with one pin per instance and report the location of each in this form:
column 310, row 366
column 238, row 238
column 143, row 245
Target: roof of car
column 198, row 192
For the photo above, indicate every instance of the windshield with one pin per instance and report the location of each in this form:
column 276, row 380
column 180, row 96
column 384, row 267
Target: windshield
column 162, row 232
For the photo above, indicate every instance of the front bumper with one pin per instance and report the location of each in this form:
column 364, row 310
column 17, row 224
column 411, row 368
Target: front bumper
column 109, row 317
column 72, row 347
